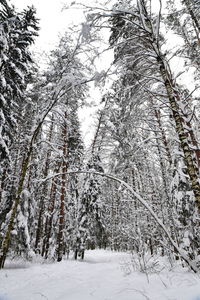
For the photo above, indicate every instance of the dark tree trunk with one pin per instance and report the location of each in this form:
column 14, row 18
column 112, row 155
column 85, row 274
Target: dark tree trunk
column 40, row 223
column 60, row 239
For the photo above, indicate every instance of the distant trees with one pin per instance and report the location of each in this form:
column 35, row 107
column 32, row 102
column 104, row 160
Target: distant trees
column 90, row 229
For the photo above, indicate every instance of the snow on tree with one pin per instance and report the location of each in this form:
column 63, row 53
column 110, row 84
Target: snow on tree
column 17, row 33
column 57, row 196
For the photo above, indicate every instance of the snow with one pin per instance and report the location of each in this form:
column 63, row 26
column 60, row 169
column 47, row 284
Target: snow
column 103, row 275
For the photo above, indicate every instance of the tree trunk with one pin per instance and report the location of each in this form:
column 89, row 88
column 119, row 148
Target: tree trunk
column 163, row 136
column 2, row 182
column 49, row 218
column 60, row 240
column 195, row 20
column 6, row 240
column 40, row 224
column 190, row 161
column 24, row 168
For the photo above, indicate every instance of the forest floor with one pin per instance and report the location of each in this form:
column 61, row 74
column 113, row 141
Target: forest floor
column 103, row 275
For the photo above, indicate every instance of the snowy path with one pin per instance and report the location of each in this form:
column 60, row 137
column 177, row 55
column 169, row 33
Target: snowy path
column 100, row 277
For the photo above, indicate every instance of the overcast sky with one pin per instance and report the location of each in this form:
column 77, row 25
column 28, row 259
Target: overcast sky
column 53, row 21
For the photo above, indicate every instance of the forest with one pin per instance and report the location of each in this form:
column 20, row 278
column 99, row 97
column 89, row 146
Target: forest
column 135, row 187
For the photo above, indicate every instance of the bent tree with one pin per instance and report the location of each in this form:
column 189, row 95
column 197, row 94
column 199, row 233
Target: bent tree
column 144, row 75
column 143, row 202
column 145, row 119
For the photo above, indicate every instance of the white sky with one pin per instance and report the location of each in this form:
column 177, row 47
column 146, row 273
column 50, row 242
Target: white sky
column 53, row 21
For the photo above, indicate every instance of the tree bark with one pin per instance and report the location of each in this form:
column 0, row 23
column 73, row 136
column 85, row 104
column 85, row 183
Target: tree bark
column 190, row 162
column 24, row 168
column 60, row 239
column 6, row 240
column 196, row 23
column 40, row 224
column 49, row 218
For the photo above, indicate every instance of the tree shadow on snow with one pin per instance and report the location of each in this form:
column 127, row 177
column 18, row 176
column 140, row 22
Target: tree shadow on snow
column 16, row 265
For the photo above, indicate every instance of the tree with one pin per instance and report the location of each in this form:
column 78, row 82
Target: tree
column 144, row 29
column 69, row 80
column 145, row 75
column 90, row 227
column 18, row 32
column 183, row 20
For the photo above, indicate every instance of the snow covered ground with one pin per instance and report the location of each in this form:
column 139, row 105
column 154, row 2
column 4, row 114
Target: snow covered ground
column 103, row 275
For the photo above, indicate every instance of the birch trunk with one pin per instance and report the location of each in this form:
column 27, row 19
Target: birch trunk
column 189, row 157
column 24, row 169
column 6, row 240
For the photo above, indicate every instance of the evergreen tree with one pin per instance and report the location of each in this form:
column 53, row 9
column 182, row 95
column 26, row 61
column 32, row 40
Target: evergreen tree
column 90, row 227
column 18, row 31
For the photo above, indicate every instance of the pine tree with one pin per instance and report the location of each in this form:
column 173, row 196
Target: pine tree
column 90, row 228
